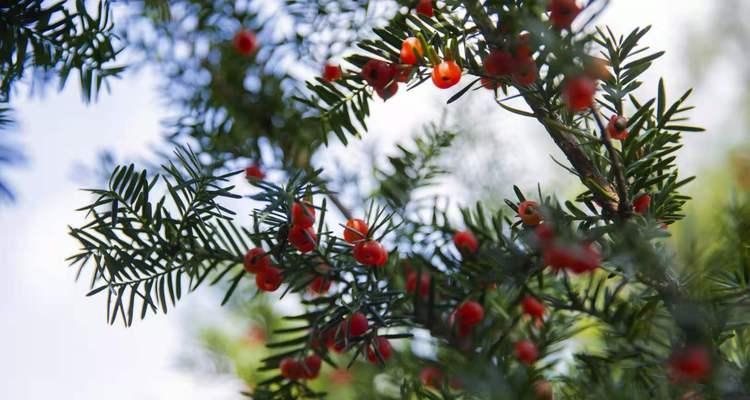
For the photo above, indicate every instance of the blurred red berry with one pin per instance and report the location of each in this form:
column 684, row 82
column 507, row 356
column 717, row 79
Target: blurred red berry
column 311, row 366
column 690, row 364
column 303, row 239
column 424, row 7
column 254, row 172
column 370, row 253
column 320, row 285
column 642, row 203
column 545, row 233
column 465, row 241
column 526, row 352
column 424, row 284
column 529, row 213
column 525, row 72
column 291, row 368
column 388, row 91
column 303, row 215
column 469, row 314
column 446, row 74
column 617, row 127
column 379, row 345
column 543, row 390
column 498, row 63
column 357, row 324
column 269, row 279
column 578, row 93
column 245, row 42
column 563, row 12
column 356, row 230
column 533, row 307
column 378, row 73
column 331, row 72
column 255, row 260
column 410, row 49
column 431, row 377
column 489, row 83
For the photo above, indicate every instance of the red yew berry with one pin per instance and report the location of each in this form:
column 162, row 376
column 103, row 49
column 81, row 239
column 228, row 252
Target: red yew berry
column 563, row 12
column 356, row 230
column 498, row 63
column 269, row 279
column 642, row 203
column 690, row 364
column 529, row 212
column 254, row 172
column 578, row 93
column 388, row 91
column 291, row 368
column 255, row 260
column 489, row 83
column 525, row 72
column 370, row 253
column 465, row 241
column 617, row 127
column 411, row 49
column 469, row 314
column 311, row 366
column 245, row 42
column 331, row 72
column 533, row 307
column 424, row 284
column 379, row 345
column 303, row 239
column 586, row 258
column 320, row 285
column 303, row 215
column 431, row 377
column 543, row 390
column 446, row 74
column 522, row 47
column 545, row 234
column 357, row 324
column 378, row 73
column 526, row 351
column 403, row 72
column 424, row 7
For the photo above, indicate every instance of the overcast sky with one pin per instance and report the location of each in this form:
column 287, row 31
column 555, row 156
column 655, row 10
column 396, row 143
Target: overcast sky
column 54, row 342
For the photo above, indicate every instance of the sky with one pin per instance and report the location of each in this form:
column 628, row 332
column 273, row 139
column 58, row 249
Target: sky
column 54, row 341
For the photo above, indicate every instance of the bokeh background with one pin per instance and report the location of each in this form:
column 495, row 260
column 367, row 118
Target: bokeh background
column 55, row 342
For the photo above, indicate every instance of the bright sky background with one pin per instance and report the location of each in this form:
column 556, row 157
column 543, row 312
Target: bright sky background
column 54, row 342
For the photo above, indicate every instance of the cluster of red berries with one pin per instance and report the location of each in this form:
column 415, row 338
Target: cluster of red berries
column 366, row 251
column 245, row 42
column 383, row 77
column 301, row 234
column 307, row 368
column 337, row 339
column 268, row 278
column 516, row 63
column 433, row 377
column 529, row 213
column 563, row 12
column 577, row 257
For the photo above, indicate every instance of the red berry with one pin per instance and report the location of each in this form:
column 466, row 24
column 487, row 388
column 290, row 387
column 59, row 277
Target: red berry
column 525, row 72
column 563, row 12
column 526, row 352
column 303, row 239
column 543, row 390
column 379, row 345
column 378, row 73
column 465, row 241
column 255, row 260
column 388, row 91
column 522, row 47
column 578, row 93
column 617, row 127
column 586, row 258
column 254, row 172
column 545, row 233
column 424, row 284
column 446, row 74
column 370, row 253
column 424, row 7
column 410, row 49
column 356, row 230
column 498, row 63
column 529, row 212
column 431, row 377
column 690, row 364
column 357, row 324
column 268, row 279
column 331, row 72
column 532, row 307
column 320, row 285
column 303, row 215
column 642, row 203
column 311, row 366
column 291, row 368
column 469, row 314
column 403, row 72
column 245, row 42
column 489, row 83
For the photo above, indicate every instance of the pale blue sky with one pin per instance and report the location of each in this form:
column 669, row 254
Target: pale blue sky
column 54, row 342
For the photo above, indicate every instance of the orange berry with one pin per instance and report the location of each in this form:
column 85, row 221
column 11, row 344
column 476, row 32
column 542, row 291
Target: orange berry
column 303, row 215
column 446, row 74
column 356, row 230
column 303, row 239
column 529, row 212
column 617, row 127
column 370, row 253
column 410, row 49
column 255, row 260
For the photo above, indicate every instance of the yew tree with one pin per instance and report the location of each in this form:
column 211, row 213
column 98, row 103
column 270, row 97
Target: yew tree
column 503, row 292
